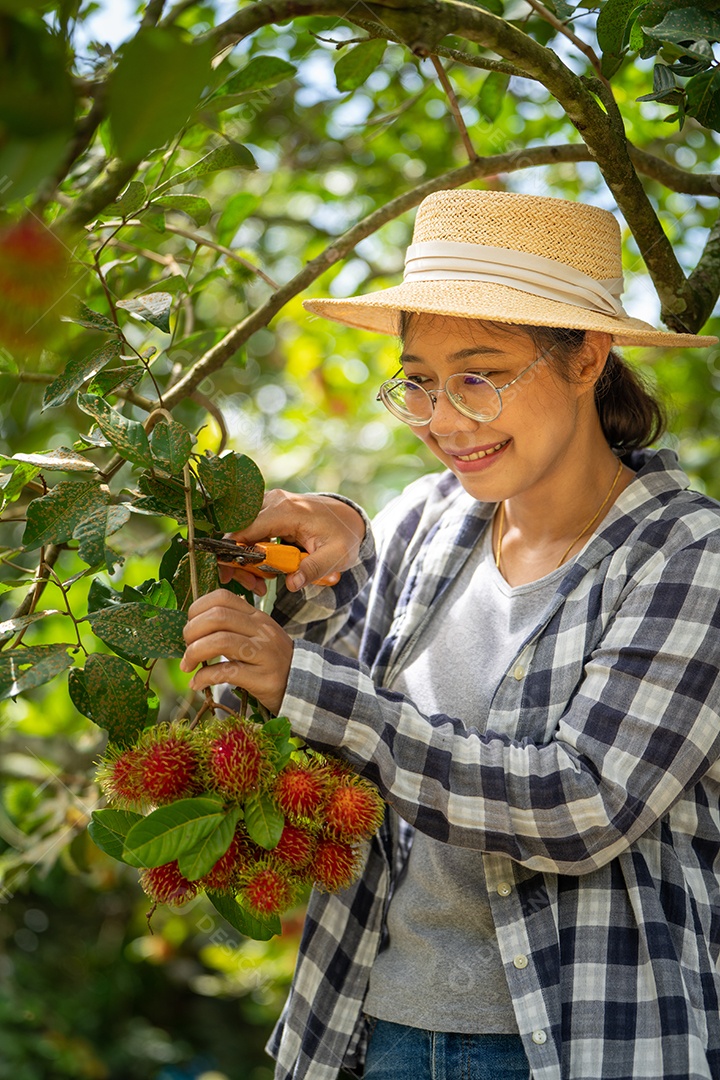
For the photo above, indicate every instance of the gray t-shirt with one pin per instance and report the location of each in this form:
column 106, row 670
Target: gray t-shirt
column 441, row 969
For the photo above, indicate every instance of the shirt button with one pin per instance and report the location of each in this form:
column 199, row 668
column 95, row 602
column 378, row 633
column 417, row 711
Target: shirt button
column 539, row 1037
column 520, row 961
column 519, row 672
column 504, row 888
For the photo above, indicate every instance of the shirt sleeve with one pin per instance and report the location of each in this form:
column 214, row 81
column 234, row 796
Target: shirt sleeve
column 641, row 728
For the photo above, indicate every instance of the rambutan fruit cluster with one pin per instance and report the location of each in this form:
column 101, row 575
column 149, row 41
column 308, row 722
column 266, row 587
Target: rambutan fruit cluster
column 322, row 811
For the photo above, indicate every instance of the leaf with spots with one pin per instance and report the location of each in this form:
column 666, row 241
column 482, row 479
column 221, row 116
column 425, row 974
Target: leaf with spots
column 171, row 445
column 195, row 206
column 53, row 518
column 61, row 459
column 236, row 487
column 115, row 378
column 127, row 436
column 92, row 531
column 153, row 308
column 140, row 631
column 78, row 372
column 109, row 692
column 24, row 669
column 207, row 578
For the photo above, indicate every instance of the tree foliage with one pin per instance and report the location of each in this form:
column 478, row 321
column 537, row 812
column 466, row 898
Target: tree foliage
column 165, row 204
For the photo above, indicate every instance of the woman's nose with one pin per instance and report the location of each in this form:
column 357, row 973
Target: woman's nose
column 446, row 419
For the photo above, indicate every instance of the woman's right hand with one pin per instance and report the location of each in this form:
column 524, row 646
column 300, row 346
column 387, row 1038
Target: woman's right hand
column 328, row 529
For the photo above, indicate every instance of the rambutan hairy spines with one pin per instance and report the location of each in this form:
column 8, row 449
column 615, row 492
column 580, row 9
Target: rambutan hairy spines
column 266, row 890
column 335, row 865
column 120, row 777
column 354, row 810
column 237, row 759
column 226, row 872
column 166, row 885
column 301, row 790
column 171, row 764
column 296, row 847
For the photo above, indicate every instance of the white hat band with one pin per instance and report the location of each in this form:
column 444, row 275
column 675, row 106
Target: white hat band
column 434, row 260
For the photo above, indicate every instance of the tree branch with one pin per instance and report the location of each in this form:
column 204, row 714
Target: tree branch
column 704, row 282
column 220, row 353
column 561, row 28
column 102, row 191
column 205, row 242
column 454, row 107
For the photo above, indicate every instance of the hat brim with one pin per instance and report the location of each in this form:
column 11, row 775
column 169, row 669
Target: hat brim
column 379, row 312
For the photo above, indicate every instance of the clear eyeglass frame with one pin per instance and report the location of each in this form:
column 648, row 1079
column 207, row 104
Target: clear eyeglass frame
column 455, row 397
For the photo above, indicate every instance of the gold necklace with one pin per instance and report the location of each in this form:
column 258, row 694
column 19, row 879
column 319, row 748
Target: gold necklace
column 568, row 549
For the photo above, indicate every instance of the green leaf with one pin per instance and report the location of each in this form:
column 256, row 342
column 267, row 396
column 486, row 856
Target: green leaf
column 171, row 445
column 207, row 578
column 24, row 669
column 358, row 63
column 61, row 458
column 196, row 207
column 237, row 208
column 8, row 366
column 264, row 820
column 241, row 919
column 280, row 732
column 127, row 436
column 200, row 861
column 10, row 627
column 236, row 487
column 92, row 320
column 171, row 831
column 92, row 531
column 173, row 557
column 157, row 593
column 53, row 518
column 21, row 475
column 232, row 156
column 260, row 73
column 101, row 596
column 78, row 372
column 492, row 95
column 153, row 308
column 115, row 378
column 110, row 693
column 154, row 88
column 685, row 25
column 140, row 630
column 612, row 23
column 166, row 496
column 108, row 829
column 703, row 98
column 132, row 198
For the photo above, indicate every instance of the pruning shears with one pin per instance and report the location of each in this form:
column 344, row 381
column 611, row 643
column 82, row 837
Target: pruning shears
column 262, row 560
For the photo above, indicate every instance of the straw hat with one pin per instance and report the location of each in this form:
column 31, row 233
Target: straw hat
column 509, row 258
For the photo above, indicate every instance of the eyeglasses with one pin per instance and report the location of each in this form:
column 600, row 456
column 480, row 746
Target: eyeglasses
column 472, row 395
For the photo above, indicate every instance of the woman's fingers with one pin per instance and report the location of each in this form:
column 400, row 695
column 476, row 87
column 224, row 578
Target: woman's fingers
column 328, row 529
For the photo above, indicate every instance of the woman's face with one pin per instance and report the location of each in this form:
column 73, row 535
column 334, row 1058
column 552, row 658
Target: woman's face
column 543, row 418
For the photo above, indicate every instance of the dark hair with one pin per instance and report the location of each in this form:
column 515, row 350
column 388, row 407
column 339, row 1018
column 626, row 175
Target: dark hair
column 630, row 416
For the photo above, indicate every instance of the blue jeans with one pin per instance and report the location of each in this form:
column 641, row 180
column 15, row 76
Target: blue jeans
column 397, row 1052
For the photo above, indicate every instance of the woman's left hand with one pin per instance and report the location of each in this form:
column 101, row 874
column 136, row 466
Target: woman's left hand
column 258, row 652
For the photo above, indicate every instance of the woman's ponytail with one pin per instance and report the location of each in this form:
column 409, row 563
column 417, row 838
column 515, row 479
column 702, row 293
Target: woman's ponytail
column 630, row 416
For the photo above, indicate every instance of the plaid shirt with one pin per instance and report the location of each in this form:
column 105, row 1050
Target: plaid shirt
column 591, row 787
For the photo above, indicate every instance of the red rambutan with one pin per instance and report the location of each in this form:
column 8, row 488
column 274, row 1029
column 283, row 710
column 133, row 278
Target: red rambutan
column 355, row 809
column 266, row 891
column 301, row 790
column 120, row 777
column 237, row 761
column 166, row 885
column 334, row 865
column 170, row 765
column 295, row 847
column 226, row 871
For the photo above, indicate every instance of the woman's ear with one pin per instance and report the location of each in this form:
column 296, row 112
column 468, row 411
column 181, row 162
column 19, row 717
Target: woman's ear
column 593, row 356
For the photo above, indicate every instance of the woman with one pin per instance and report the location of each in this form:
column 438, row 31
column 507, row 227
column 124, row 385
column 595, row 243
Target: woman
column 529, row 672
